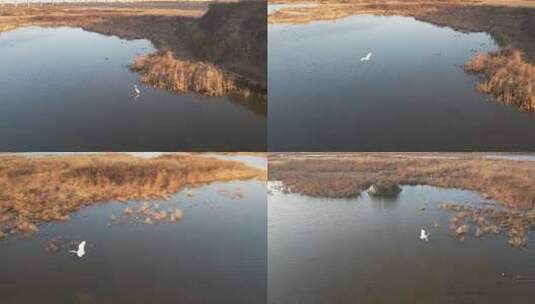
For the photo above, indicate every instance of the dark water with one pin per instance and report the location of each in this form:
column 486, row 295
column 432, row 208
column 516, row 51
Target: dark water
column 366, row 250
column 65, row 89
column 412, row 95
column 215, row 254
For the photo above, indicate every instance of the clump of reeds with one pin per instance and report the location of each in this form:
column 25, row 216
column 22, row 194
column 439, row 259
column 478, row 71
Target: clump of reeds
column 163, row 70
column 506, row 76
column 490, row 221
column 153, row 214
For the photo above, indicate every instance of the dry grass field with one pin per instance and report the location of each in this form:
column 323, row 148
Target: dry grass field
column 345, row 175
column 41, row 189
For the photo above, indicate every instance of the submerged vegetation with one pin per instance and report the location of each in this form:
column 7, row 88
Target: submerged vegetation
column 36, row 190
column 163, row 70
column 346, row 175
column 149, row 214
column 506, row 76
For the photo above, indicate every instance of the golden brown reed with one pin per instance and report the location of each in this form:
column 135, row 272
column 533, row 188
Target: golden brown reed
column 163, row 70
column 506, row 76
column 35, row 190
column 490, row 221
column 345, row 175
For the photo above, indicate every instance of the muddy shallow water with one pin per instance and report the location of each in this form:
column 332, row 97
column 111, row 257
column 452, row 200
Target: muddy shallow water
column 367, row 250
column 412, row 95
column 217, row 251
column 65, row 89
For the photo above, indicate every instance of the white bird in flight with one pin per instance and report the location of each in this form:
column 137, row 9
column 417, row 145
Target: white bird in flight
column 81, row 250
column 424, row 236
column 367, row 58
column 136, row 89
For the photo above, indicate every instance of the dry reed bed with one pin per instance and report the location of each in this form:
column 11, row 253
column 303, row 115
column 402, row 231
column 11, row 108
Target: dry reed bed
column 163, row 70
column 36, row 190
column 506, row 76
column 346, row 175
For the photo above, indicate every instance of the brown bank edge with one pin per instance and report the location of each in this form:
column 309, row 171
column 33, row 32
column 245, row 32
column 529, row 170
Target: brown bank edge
column 340, row 175
column 34, row 190
column 216, row 49
column 507, row 75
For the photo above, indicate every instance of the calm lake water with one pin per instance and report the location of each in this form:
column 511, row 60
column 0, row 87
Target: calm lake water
column 412, row 94
column 216, row 254
column 367, row 250
column 66, row 89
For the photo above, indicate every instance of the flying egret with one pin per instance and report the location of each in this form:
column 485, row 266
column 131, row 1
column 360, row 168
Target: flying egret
column 367, row 58
column 81, row 250
column 136, row 89
column 424, row 236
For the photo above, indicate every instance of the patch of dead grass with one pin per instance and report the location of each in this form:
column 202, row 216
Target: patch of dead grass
column 163, row 70
column 346, row 175
column 506, row 76
column 36, row 190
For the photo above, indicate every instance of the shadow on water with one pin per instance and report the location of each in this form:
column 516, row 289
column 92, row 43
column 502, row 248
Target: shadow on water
column 217, row 251
column 65, row 89
column 366, row 250
column 412, row 95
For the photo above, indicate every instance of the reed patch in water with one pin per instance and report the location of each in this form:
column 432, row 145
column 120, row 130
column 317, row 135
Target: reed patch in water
column 490, row 221
column 163, row 70
column 506, row 76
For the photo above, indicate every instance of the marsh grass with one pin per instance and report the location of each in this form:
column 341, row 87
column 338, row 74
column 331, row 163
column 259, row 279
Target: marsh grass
column 36, row 190
column 506, row 76
column 163, row 70
column 346, row 175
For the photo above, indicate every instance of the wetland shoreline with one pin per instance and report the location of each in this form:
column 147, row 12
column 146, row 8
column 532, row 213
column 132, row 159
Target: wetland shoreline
column 511, row 24
column 229, row 36
column 45, row 189
column 346, row 175
column 340, row 175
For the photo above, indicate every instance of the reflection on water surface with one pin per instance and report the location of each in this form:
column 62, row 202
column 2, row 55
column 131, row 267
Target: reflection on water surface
column 354, row 250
